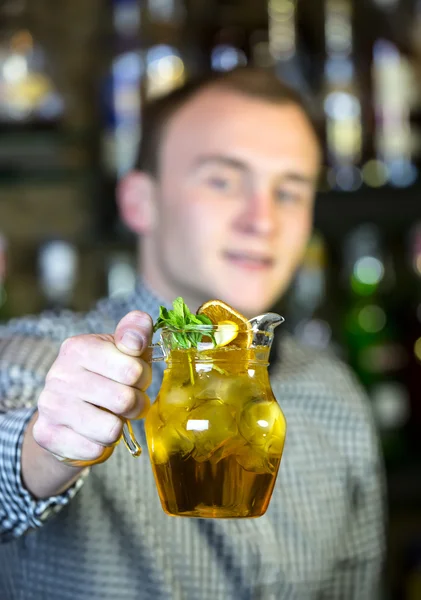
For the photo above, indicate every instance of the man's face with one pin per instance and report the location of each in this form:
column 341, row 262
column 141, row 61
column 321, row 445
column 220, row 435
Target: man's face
column 234, row 201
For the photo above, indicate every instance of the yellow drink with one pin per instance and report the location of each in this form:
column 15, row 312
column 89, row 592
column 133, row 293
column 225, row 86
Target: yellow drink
column 216, row 433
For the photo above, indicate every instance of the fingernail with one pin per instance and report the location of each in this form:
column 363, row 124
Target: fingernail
column 132, row 340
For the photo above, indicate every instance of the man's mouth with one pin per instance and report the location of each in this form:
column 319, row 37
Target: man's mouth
column 251, row 261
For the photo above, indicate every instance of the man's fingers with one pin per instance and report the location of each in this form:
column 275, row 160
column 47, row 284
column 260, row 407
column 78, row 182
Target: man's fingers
column 122, row 400
column 64, row 442
column 100, row 426
column 99, row 355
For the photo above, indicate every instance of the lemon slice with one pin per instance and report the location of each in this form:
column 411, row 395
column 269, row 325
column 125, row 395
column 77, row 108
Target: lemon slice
column 226, row 332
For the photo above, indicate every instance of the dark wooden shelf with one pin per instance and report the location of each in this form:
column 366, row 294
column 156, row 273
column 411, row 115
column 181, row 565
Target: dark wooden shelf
column 404, row 488
column 391, row 208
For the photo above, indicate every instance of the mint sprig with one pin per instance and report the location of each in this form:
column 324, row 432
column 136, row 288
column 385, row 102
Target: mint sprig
column 187, row 328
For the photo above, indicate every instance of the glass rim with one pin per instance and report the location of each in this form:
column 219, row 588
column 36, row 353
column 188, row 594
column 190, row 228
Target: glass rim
column 211, row 328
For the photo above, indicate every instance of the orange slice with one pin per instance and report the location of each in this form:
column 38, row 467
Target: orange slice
column 223, row 314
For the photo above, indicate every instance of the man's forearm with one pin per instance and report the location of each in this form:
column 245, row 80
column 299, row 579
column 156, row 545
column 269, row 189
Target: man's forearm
column 42, row 474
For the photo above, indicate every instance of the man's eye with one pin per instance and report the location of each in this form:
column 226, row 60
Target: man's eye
column 220, row 183
column 286, row 196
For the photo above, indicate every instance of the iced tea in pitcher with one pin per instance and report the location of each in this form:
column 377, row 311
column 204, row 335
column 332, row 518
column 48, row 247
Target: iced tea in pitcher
column 215, row 432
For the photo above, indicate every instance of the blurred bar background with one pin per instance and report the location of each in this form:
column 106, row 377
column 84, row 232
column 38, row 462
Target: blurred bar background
column 73, row 76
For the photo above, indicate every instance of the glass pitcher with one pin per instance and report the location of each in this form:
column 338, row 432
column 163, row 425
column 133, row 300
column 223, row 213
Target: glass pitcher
column 215, row 432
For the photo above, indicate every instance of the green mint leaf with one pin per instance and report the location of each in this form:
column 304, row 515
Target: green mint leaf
column 195, row 321
column 195, row 338
column 187, row 328
column 181, row 311
column 182, row 340
column 163, row 318
column 204, row 319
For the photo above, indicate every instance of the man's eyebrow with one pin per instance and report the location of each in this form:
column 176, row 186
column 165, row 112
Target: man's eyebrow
column 235, row 163
column 295, row 177
column 220, row 159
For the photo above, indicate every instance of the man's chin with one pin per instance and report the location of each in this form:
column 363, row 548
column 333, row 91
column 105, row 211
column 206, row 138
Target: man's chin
column 246, row 303
column 251, row 295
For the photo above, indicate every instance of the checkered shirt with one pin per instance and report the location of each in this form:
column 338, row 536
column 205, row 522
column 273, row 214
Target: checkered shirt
column 107, row 537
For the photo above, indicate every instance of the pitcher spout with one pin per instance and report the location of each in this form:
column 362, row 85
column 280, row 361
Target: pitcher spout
column 263, row 327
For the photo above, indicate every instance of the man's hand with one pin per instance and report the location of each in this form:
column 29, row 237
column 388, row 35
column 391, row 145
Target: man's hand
column 95, row 383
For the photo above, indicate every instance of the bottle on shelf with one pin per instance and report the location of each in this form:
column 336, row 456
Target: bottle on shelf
column 165, row 70
column 121, row 91
column 411, row 309
column 282, row 47
column 4, row 304
column 342, row 103
column 121, row 272
column 309, row 314
column 282, row 31
column 58, row 271
column 373, row 342
column 28, row 92
column 166, row 12
column 395, row 91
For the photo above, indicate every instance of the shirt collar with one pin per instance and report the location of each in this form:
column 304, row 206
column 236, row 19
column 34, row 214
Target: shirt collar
column 143, row 298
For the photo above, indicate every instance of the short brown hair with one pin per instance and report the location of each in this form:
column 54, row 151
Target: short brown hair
column 250, row 81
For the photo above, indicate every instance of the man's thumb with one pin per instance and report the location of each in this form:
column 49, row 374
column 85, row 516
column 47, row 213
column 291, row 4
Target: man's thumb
column 133, row 333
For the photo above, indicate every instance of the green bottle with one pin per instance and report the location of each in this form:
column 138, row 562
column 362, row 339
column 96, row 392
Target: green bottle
column 4, row 313
column 372, row 339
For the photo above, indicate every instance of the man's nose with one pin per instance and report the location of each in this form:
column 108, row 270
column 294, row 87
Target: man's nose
column 257, row 216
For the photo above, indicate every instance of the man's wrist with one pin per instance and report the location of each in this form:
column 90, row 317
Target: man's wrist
column 43, row 474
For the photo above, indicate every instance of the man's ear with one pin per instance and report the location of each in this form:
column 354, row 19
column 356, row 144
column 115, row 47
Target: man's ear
column 136, row 201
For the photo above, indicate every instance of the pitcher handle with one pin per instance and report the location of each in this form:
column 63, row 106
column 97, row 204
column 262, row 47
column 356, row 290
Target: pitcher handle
column 153, row 353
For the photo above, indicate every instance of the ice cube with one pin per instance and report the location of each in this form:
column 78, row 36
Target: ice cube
column 232, row 390
column 207, row 385
column 169, row 440
column 260, row 421
column 254, row 459
column 275, row 446
column 177, row 399
column 258, row 459
column 230, row 447
column 209, row 426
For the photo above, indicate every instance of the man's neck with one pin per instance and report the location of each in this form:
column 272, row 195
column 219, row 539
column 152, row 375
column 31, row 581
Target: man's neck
column 167, row 295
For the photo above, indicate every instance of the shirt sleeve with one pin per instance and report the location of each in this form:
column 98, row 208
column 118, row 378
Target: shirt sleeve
column 24, row 363
column 19, row 510
column 359, row 569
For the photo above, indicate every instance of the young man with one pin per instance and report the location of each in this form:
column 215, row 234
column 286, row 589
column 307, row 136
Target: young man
column 222, row 201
